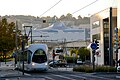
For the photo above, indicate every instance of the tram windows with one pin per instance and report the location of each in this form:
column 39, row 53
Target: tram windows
column 29, row 53
column 39, row 56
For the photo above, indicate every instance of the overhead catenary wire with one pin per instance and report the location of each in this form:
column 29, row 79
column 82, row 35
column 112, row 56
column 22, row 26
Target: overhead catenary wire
column 50, row 8
column 85, row 7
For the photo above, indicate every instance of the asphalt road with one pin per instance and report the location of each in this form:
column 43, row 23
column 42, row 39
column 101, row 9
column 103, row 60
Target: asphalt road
column 69, row 75
column 8, row 73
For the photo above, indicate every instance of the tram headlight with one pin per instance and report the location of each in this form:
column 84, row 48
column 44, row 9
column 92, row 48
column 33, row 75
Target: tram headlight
column 33, row 64
column 46, row 64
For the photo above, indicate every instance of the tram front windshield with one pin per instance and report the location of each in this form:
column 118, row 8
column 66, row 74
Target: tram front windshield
column 39, row 56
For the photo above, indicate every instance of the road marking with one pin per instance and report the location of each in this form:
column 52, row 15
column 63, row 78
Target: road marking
column 99, row 77
column 48, row 78
column 117, row 76
column 20, row 73
column 79, row 76
column 64, row 77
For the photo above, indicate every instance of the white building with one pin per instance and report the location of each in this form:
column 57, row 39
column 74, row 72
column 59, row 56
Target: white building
column 100, row 30
column 58, row 32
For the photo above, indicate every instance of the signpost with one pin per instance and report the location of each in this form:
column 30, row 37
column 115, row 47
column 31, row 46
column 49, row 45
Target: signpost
column 94, row 47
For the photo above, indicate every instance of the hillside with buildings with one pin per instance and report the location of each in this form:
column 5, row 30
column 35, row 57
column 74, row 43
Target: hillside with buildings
column 38, row 23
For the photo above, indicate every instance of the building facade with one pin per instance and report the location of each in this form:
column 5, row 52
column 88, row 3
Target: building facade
column 100, row 30
column 59, row 33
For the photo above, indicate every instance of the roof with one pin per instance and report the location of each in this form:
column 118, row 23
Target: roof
column 59, row 26
column 56, row 26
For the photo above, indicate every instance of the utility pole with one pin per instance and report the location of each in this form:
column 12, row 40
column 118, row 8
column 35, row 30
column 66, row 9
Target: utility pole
column 94, row 46
column 93, row 59
column 23, row 47
column 53, row 54
column 16, row 41
column 110, row 40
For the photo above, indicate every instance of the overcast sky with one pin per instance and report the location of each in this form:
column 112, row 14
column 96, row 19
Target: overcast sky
column 38, row 7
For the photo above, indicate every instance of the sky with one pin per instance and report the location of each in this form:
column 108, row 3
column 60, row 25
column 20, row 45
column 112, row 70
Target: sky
column 38, row 7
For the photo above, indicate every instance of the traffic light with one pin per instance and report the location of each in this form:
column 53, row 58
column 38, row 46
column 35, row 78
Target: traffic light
column 53, row 54
column 97, row 43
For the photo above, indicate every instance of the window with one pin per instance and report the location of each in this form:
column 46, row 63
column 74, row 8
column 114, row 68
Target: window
column 96, row 36
column 29, row 53
column 96, row 24
column 39, row 56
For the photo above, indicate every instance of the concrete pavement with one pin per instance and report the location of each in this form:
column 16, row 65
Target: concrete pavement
column 8, row 72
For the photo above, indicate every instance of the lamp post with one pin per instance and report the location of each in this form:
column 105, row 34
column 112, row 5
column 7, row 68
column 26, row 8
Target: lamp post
column 4, row 51
column 93, row 46
column 23, row 47
column 16, row 41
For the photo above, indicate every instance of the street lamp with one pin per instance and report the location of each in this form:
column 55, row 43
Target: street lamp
column 16, row 40
column 23, row 47
column 4, row 51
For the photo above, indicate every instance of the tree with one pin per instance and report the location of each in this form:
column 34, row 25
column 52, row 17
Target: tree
column 84, row 53
column 73, row 51
column 7, row 36
column 79, row 17
column 62, row 17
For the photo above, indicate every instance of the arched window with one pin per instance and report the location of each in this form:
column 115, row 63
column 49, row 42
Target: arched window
column 39, row 56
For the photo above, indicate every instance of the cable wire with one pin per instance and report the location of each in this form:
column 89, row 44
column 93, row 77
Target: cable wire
column 84, row 7
column 51, row 8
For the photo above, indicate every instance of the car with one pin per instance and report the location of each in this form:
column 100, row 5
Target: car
column 79, row 61
column 58, row 63
column 118, row 68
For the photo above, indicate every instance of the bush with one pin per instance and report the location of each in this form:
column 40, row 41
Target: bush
column 71, row 59
column 86, row 69
column 112, row 69
column 89, row 69
column 79, row 69
column 105, row 69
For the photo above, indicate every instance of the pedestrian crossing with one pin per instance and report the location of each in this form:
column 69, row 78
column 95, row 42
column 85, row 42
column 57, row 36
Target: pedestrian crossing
column 65, row 76
column 52, row 74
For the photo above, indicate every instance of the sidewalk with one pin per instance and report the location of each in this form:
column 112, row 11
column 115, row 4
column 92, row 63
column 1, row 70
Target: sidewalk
column 8, row 72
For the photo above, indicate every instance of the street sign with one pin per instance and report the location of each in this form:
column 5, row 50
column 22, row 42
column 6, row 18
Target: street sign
column 93, row 46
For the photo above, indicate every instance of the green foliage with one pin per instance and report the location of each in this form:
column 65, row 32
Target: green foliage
column 97, row 69
column 105, row 69
column 7, row 36
column 71, row 59
column 84, row 53
column 86, row 69
column 73, row 51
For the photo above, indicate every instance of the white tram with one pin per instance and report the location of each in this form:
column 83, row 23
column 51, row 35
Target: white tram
column 35, row 58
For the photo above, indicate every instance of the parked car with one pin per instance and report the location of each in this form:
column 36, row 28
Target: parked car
column 118, row 68
column 79, row 61
column 58, row 63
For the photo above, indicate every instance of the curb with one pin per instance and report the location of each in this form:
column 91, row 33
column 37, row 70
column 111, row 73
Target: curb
column 14, row 75
column 118, row 77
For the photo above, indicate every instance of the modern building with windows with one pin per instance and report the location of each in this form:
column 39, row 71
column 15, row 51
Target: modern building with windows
column 59, row 33
column 102, row 24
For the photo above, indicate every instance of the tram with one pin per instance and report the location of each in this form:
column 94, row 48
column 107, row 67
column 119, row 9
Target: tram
column 34, row 56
